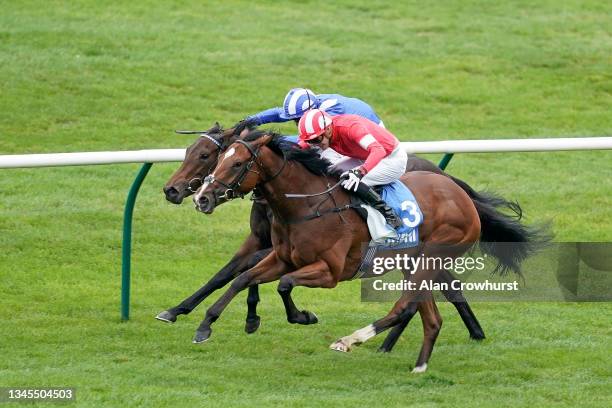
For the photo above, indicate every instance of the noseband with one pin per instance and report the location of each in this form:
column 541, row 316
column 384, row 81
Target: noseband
column 231, row 191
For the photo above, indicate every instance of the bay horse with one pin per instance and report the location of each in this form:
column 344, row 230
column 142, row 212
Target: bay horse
column 202, row 156
column 302, row 256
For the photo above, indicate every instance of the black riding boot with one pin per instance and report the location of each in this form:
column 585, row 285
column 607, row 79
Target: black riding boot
column 371, row 197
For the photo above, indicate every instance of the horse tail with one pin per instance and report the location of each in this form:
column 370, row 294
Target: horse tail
column 490, row 198
column 502, row 235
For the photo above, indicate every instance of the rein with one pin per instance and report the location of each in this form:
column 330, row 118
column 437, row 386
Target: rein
column 329, row 190
column 317, row 213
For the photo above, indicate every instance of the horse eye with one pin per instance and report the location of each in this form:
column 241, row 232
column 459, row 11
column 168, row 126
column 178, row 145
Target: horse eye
column 204, row 156
column 237, row 164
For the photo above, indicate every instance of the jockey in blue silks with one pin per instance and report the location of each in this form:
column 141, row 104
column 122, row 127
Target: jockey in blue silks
column 299, row 100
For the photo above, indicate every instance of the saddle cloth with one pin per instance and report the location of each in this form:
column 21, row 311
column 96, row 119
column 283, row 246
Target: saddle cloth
column 384, row 238
column 400, row 198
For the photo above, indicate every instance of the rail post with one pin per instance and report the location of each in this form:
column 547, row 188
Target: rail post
column 126, row 248
column 445, row 160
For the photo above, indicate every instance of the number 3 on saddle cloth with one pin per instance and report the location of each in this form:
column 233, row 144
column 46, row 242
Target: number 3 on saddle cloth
column 384, row 238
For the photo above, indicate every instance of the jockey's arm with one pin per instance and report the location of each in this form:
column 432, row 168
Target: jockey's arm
column 271, row 115
column 376, row 152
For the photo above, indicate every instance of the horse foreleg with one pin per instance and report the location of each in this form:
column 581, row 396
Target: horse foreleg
column 268, row 270
column 316, row 275
column 252, row 319
column 238, row 264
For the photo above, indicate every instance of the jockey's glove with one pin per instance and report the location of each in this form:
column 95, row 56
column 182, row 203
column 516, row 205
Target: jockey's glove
column 247, row 123
column 352, row 178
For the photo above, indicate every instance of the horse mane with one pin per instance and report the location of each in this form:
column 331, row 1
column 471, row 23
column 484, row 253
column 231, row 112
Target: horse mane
column 248, row 124
column 309, row 157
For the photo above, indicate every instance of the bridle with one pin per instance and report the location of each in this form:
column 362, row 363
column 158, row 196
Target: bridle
column 210, row 167
column 232, row 187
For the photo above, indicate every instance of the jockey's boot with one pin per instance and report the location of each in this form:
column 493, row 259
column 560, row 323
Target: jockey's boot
column 371, row 197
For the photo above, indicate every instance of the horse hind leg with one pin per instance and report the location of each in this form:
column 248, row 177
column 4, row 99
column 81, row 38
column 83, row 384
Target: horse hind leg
column 457, row 299
column 455, row 296
column 432, row 323
column 398, row 329
column 394, row 336
column 402, row 312
column 398, row 318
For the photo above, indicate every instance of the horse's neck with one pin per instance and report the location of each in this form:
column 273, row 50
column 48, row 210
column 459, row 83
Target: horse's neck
column 293, row 179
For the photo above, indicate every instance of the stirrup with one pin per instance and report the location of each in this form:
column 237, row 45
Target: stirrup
column 391, row 217
column 394, row 221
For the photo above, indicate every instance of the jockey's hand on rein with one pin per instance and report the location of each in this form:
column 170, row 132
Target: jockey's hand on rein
column 351, row 178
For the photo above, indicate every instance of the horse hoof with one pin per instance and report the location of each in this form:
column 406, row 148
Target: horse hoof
column 477, row 336
column 252, row 325
column 383, row 349
column 309, row 317
column 201, row 336
column 166, row 317
column 340, row 346
column 420, row 369
column 305, row 317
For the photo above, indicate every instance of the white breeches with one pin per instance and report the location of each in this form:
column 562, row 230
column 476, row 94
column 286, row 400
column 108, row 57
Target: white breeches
column 386, row 171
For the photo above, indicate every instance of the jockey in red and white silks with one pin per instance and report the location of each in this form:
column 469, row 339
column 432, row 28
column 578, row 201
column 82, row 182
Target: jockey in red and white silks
column 384, row 161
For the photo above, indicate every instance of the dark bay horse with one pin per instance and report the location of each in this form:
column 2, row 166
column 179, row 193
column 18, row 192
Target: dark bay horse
column 201, row 157
column 303, row 257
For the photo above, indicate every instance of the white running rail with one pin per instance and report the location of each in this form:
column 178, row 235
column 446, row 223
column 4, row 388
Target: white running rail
column 176, row 155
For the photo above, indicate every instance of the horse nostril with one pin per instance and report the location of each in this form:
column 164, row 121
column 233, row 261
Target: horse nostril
column 172, row 194
column 204, row 203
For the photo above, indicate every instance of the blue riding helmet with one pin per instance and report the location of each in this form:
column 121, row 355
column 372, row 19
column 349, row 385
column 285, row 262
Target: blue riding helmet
column 297, row 101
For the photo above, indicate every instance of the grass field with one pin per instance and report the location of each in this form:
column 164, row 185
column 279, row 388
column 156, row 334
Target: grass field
column 84, row 76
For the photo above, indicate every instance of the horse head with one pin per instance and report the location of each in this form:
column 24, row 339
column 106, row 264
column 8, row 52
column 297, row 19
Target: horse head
column 239, row 170
column 200, row 159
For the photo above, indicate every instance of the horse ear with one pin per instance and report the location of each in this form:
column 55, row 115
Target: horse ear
column 216, row 128
column 263, row 140
column 227, row 137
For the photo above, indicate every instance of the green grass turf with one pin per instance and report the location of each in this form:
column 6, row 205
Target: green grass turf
column 83, row 76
